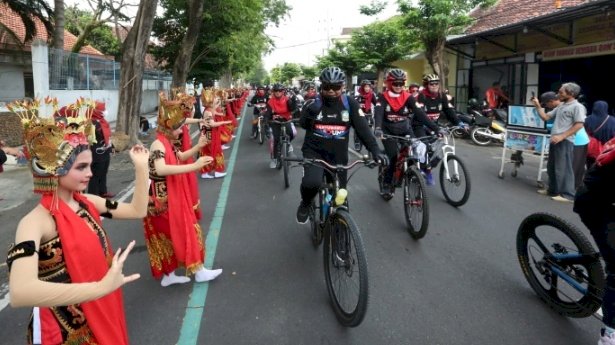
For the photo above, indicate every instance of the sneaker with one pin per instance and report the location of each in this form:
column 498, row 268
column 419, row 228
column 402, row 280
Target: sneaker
column 273, row 163
column 218, row 174
column 606, row 338
column 303, row 213
column 253, row 136
column 429, row 179
column 206, row 175
column 562, row 199
column 543, row 191
column 225, row 147
column 290, row 148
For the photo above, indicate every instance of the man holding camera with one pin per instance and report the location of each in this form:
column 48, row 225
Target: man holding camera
column 569, row 118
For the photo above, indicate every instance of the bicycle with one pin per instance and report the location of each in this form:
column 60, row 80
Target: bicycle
column 343, row 252
column 407, row 175
column 284, row 149
column 561, row 265
column 453, row 173
column 262, row 130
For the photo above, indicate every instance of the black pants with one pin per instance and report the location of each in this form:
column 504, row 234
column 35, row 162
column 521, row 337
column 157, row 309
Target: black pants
column 599, row 217
column 276, row 129
column 313, row 176
column 391, row 148
column 579, row 158
column 98, row 182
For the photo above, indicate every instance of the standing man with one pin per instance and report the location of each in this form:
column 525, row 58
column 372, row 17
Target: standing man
column 569, row 118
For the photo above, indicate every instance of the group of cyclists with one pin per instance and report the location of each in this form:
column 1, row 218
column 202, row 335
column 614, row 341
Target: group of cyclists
column 328, row 115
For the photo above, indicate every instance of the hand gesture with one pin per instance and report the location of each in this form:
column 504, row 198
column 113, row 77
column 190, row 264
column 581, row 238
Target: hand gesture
column 203, row 141
column 114, row 278
column 535, row 102
column 203, row 161
column 139, row 155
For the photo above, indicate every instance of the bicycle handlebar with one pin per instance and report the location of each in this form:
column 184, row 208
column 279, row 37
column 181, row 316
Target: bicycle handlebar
column 284, row 122
column 314, row 161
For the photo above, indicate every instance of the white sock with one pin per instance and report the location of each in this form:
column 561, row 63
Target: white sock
column 204, row 275
column 171, row 279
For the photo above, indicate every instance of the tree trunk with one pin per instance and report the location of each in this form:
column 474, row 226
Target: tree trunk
column 82, row 37
column 436, row 57
column 379, row 79
column 58, row 30
column 181, row 67
column 226, row 80
column 131, row 74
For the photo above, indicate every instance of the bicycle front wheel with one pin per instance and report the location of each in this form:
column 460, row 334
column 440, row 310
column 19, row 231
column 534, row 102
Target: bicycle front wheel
column 571, row 288
column 261, row 133
column 416, row 207
column 346, row 269
column 285, row 163
column 456, row 187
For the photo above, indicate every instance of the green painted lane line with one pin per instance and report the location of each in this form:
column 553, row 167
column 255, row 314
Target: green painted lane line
column 191, row 325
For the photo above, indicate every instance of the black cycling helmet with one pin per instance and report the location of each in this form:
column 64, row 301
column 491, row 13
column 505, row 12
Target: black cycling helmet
column 366, row 82
column 413, row 84
column 260, row 87
column 278, row 87
column 396, row 74
column 333, row 75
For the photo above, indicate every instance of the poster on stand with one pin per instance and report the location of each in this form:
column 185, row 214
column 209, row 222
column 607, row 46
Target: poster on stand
column 525, row 117
column 525, row 141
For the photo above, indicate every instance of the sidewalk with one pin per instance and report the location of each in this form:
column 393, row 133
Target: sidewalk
column 16, row 181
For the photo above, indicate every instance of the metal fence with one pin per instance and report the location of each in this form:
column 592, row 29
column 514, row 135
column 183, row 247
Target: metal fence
column 72, row 71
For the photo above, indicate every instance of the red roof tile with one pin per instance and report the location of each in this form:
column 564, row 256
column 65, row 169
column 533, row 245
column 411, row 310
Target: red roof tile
column 13, row 22
column 506, row 12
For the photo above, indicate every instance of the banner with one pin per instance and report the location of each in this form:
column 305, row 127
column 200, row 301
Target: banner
column 585, row 50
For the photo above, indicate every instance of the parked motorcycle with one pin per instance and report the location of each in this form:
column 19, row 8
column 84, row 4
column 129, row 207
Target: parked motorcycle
column 489, row 124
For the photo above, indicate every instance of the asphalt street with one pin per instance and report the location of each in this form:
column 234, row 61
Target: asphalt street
column 460, row 284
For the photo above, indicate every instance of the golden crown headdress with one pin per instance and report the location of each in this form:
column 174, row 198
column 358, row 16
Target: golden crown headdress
column 208, row 97
column 52, row 142
column 170, row 114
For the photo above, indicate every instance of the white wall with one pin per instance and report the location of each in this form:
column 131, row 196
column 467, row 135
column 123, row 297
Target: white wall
column 11, row 83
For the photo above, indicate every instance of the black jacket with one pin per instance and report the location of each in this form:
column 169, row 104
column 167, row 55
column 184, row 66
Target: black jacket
column 327, row 123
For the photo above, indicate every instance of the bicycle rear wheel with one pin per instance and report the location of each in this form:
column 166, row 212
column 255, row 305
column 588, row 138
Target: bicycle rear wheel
column 416, row 207
column 542, row 238
column 456, row 188
column 346, row 269
column 285, row 163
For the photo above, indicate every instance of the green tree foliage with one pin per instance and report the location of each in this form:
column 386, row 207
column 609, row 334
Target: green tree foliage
column 257, row 75
column 432, row 20
column 99, row 36
column 231, row 39
column 381, row 43
column 309, row 72
column 345, row 56
column 276, row 75
column 289, row 71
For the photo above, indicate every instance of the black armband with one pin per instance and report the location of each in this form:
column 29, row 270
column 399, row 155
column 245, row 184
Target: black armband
column 20, row 250
column 110, row 205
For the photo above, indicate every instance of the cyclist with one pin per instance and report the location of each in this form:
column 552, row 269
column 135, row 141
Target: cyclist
column 310, row 91
column 327, row 121
column 594, row 202
column 414, row 89
column 366, row 98
column 279, row 107
column 259, row 100
column 395, row 110
column 434, row 103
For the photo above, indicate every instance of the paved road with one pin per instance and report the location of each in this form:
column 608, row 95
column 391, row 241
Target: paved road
column 461, row 284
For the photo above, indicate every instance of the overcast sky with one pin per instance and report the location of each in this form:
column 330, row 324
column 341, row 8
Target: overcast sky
column 303, row 36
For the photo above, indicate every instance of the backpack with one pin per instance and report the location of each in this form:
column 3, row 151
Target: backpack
column 595, row 146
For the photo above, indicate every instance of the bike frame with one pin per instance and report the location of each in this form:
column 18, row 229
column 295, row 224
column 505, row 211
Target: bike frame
column 566, row 259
